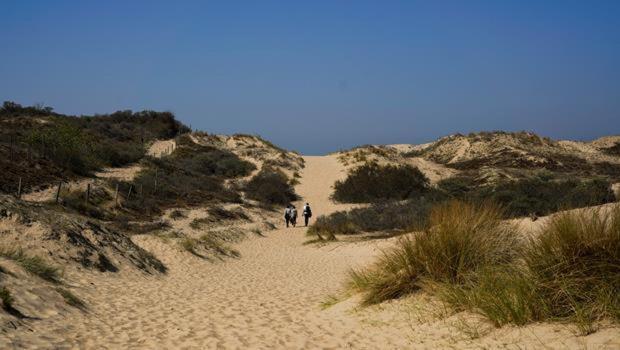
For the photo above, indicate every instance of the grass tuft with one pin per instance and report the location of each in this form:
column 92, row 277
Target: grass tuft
column 71, row 298
column 7, row 299
column 569, row 272
column 33, row 264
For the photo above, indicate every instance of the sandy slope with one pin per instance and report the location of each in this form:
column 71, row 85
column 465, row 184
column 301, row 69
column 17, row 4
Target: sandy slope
column 268, row 298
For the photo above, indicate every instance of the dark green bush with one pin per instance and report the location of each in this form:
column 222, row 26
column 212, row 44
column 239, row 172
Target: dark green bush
column 210, row 161
column 543, row 197
column 372, row 182
column 270, row 187
column 404, row 216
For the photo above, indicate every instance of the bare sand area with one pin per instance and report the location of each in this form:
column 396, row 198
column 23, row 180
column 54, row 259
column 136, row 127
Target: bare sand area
column 273, row 296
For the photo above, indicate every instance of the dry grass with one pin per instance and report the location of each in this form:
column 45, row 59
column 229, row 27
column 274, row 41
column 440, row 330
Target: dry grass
column 461, row 238
column 71, row 298
column 569, row 272
column 7, row 298
column 33, row 264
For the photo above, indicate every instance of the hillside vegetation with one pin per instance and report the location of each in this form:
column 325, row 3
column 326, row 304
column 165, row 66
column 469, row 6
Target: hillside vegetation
column 42, row 146
column 525, row 174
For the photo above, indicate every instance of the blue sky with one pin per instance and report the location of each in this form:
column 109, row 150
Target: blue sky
column 318, row 76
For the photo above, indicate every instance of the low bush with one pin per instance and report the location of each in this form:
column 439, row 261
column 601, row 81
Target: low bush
column 270, row 187
column 372, row 182
column 76, row 200
column 218, row 213
column 461, row 238
column 395, row 216
column 177, row 215
column 540, row 195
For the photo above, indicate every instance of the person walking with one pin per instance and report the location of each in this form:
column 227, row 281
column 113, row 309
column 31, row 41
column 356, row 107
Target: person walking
column 287, row 214
column 307, row 213
column 293, row 216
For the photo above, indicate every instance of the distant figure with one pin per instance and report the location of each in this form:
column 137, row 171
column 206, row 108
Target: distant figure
column 287, row 214
column 307, row 213
column 293, row 215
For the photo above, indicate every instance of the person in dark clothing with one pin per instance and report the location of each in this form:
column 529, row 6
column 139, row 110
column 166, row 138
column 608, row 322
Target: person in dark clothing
column 307, row 213
column 287, row 214
column 293, row 215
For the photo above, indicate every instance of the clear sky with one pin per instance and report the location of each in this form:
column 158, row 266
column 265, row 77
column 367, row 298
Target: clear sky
column 318, row 76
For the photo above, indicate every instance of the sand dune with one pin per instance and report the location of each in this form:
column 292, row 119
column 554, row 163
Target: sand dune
column 268, row 298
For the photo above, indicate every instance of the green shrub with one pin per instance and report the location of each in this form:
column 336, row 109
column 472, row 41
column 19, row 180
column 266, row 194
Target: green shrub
column 270, row 187
column 540, row 195
column 372, row 182
column 394, row 216
column 461, row 238
column 66, row 145
column 208, row 160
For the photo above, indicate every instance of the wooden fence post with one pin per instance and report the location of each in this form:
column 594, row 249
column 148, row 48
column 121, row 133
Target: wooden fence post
column 87, row 193
column 58, row 191
column 129, row 192
column 19, row 188
column 116, row 196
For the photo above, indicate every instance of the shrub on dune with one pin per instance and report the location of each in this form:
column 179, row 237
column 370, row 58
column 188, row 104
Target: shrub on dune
column 372, row 182
column 270, row 187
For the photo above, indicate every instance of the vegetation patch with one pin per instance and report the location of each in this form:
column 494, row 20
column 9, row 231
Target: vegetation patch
column 42, row 146
column 570, row 272
column 541, row 195
column 7, row 299
column 33, row 264
column 461, row 238
column 71, row 298
column 270, row 187
column 404, row 216
column 372, row 182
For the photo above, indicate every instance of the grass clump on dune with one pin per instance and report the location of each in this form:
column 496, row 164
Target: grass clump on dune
column 461, row 237
column 71, row 298
column 33, row 264
column 575, row 263
column 569, row 272
column 7, row 298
